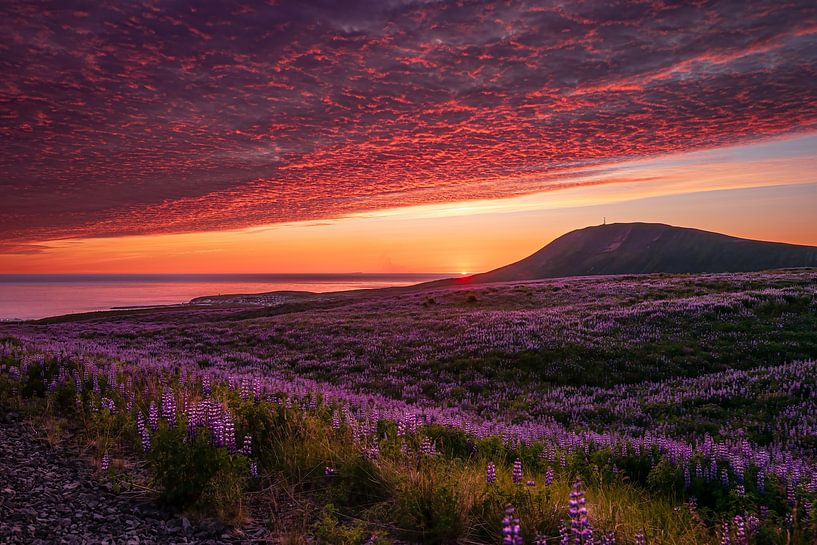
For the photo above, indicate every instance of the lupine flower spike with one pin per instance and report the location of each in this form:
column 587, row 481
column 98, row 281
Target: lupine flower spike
column 511, row 529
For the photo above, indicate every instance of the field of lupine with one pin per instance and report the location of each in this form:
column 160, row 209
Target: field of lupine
column 652, row 409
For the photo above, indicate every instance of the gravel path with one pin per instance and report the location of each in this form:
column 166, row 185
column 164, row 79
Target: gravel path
column 50, row 496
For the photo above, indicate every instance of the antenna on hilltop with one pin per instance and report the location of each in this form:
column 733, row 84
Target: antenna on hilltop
column 605, row 221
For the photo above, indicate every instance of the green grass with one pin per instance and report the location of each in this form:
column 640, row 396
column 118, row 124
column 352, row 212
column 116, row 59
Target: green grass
column 402, row 494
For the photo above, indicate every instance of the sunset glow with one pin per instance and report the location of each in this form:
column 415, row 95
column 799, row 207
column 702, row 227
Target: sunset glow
column 142, row 137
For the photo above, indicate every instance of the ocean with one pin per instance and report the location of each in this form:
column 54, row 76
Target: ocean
column 33, row 296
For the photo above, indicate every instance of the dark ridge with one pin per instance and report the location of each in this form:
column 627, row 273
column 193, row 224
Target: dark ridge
column 640, row 248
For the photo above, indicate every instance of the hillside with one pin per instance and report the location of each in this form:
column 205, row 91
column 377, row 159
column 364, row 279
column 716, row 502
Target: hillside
column 638, row 248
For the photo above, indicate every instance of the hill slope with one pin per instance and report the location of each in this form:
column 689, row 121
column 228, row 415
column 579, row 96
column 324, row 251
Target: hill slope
column 634, row 248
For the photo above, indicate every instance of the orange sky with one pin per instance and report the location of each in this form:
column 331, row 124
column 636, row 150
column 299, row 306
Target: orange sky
column 765, row 191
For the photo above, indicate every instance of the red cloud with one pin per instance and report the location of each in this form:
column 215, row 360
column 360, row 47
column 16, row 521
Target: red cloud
column 127, row 118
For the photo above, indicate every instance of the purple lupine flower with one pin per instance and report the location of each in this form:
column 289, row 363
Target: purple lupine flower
column 579, row 523
column 608, row 538
column 328, row 472
column 640, row 538
column 228, row 438
column 549, row 476
column 141, row 429
column 511, row 529
column 726, row 538
column 254, row 469
column 256, row 388
column 564, row 535
column 490, row 473
column 145, row 440
column 217, row 428
column 517, row 471
column 169, row 407
column 246, row 447
column 105, row 463
column 761, row 482
column 752, row 524
column 108, row 403
column 741, row 537
column 153, row 416
column 427, row 447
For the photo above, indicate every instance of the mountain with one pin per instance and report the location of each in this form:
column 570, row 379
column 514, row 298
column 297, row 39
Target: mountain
column 633, row 248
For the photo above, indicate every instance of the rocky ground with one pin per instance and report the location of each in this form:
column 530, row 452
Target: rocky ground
column 52, row 496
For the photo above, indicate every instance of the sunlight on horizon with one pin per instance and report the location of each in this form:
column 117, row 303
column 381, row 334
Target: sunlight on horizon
column 481, row 234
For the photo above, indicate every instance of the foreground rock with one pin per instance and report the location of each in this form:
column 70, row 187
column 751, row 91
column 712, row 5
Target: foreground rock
column 50, row 496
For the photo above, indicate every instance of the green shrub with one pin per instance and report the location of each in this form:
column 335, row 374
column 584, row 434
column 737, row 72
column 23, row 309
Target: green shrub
column 329, row 531
column 358, row 484
column 427, row 512
column 192, row 474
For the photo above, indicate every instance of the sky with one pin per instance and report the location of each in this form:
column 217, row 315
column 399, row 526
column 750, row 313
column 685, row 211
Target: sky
column 393, row 136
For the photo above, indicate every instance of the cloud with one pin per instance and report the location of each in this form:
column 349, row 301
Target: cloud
column 138, row 118
column 22, row 249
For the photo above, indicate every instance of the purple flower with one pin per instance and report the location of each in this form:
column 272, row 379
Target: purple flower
column 726, row 538
column 246, row 447
column 579, row 523
column 142, row 431
column 608, row 539
column 517, row 471
column 169, row 407
column 741, row 538
column 564, row 535
column 511, row 529
column 427, row 447
column 490, row 473
column 549, row 476
column 153, row 416
column 228, row 438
